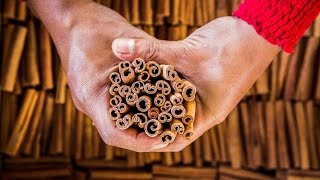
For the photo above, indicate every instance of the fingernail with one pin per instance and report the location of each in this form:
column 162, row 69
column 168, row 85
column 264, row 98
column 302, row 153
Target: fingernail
column 124, row 46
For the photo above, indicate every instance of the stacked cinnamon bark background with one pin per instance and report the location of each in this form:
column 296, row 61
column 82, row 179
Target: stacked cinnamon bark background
column 273, row 133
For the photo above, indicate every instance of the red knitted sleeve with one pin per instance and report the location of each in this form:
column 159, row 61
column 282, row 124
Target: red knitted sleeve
column 281, row 22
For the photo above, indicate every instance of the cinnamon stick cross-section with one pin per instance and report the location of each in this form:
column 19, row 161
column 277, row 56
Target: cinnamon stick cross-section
column 178, row 111
column 190, row 112
column 115, row 77
column 168, row 72
column 188, row 91
column 153, row 128
column 165, row 117
column 144, row 103
column 137, row 87
column 125, row 122
column 168, row 136
column 114, row 88
column 153, row 113
column 115, row 100
column 139, row 65
column 177, row 126
column 153, row 68
column 140, row 118
column 131, row 99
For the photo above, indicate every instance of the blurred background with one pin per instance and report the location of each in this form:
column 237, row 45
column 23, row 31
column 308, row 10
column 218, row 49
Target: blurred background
column 274, row 133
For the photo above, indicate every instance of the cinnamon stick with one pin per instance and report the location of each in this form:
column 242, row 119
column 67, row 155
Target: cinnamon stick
column 177, row 126
column 168, row 136
column 198, row 152
column 165, row 117
column 131, row 99
column 127, row 75
column 159, row 99
column 188, row 91
column 123, row 108
column 168, row 72
column 188, row 133
column 125, row 122
column 271, row 136
column 235, row 148
column 178, row 111
column 150, row 88
column 166, row 107
column 114, row 113
column 303, row 137
column 187, row 157
column 190, row 112
column 12, row 59
column 206, row 147
column 137, row 87
column 124, row 90
column 45, row 58
column 153, row 68
column 30, row 71
column 32, row 132
column 293, row 137
column 177, row 85
column 144, row 103
column 153, row 113
column 139, row 65
column 146, row 12
column 144, row 76
column 115, row 77
column 114, row 89
column 22, row 122
column 115, row 100
column 79, row 135
column 153, row 128
column 135, row 19
column 176, row 99
column 140, row 118
column 61, row 87
column 163, row 86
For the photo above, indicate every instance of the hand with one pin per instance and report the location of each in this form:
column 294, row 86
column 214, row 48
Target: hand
column 83, row 32
column 222, row 59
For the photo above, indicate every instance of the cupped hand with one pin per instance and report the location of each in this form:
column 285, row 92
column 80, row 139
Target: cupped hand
column 222, row 59
column 84, row 45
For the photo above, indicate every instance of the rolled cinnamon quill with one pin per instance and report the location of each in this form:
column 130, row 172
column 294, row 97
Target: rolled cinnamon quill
column 127, row 75
column 153, row 113
column 153, row 68
column 188, row 91
column 115, row 100
column 140, row 118
column 168, row 72
column 139, row 65
column 164, row 87
column 165, row 117
column 123, row 108
column 177, row 126
column 123, row 65
column 144, row 103
column 190, row 112
column 144, row 76
column 137, row 87
column 188, row 131
column 153, row 128
column 177, row 85
column 114, row 88
column 178, row 111
column 131, row 99
column 115, row 77
column 114, row 113
column 125, row 122
column 176, row 99
column 166, row 107
column 159, row 99
column 168, row 136
column 124, row 90
column 150, row 89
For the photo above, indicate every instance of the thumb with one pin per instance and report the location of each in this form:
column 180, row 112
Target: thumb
column 148, row 49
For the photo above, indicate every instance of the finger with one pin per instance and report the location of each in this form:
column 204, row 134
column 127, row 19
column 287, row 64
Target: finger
column 132, row 140
column 164, row 52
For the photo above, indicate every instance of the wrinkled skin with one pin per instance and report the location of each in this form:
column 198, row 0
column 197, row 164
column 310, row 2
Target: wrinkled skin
column 222, row 59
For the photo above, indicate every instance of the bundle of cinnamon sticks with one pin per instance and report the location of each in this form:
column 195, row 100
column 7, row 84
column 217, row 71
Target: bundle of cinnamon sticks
column 152, row 97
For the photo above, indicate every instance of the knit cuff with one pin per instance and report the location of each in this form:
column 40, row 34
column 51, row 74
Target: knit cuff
column 281, row 22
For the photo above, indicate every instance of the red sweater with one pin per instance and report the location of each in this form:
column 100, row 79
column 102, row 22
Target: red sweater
column 281, row 22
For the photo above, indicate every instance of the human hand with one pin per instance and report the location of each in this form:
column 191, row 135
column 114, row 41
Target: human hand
column 222, row 59
column 83, row 32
